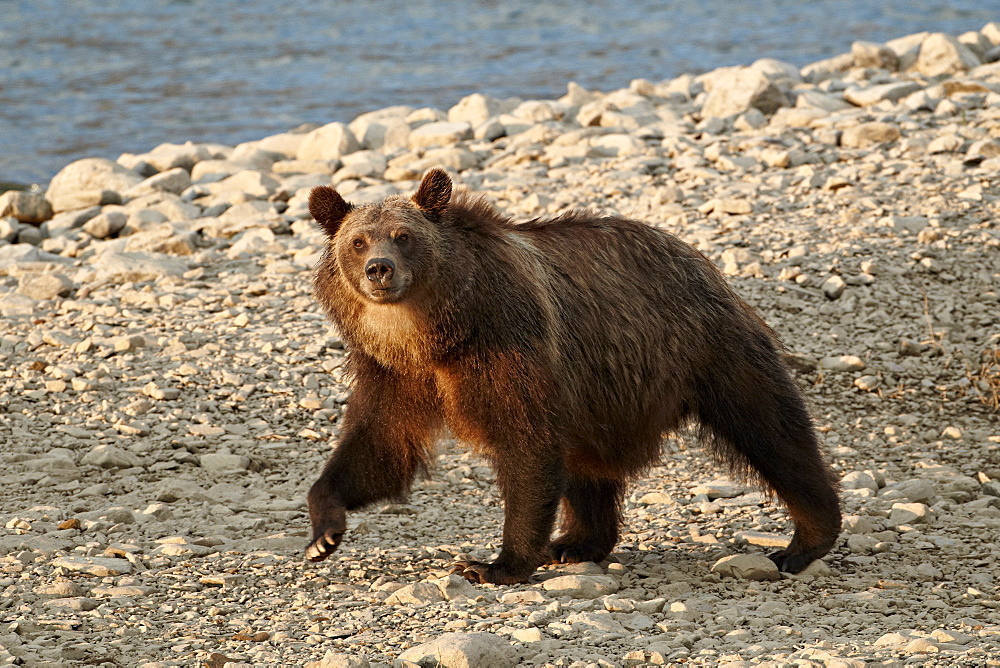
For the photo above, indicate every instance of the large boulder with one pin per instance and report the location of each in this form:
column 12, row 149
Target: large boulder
column 88, row 182
column 944, row 54
column 734, row 90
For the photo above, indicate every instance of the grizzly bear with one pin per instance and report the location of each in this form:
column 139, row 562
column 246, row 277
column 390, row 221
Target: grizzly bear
column 562, row 350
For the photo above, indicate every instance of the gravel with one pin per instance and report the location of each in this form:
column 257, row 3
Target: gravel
column 169, row 387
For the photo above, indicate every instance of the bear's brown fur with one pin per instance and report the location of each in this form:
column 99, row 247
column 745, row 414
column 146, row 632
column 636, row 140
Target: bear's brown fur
column 562, row 350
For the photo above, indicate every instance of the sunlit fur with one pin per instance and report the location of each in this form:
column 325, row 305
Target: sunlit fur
column 562, row 350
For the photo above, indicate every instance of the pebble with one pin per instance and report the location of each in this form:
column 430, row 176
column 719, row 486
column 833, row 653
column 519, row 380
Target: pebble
column 747, row 567
column 462, row 650
column 99, row 566
column 842, row 363
column 580, row 586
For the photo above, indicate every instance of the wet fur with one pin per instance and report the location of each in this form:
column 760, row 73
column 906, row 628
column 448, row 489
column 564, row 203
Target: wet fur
column 562, row 350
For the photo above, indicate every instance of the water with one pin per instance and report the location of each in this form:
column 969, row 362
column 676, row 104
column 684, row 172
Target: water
column 80, row 79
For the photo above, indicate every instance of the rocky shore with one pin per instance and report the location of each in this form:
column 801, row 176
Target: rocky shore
column 169, row 388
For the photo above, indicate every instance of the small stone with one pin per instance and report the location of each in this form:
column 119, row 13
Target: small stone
column 890, row 92
column 45, row 286
column 420, row 593
column 334, row 660
column 108, row 456
column 763, row 539
column 220, row 461
column 867, row 383
column 734, row 90
column 842, row 363
column 916, row 490
column 943, row 54
column 859, row 480
column 718, row 489
column 85, row 183
column 580, row 586
column 439, row 134
column 870, row 54
column 921, row 646
column 128, row 344
column 869, row 134
column 908, row 513
column 524, row 596
column 858, row 524
column 455, row 587
column 527, row 635
column 655, row 498
column 105, row 225
column 26, row 207
column 747, row 567
column 99, row 566
column 833, row 287
column 462, row 650
column 329, row 142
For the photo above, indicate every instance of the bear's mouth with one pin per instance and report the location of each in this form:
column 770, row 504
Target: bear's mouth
column 385, row 295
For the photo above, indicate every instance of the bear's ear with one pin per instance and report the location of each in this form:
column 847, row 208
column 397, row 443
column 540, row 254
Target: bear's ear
column 328, row 208
column 434, row 192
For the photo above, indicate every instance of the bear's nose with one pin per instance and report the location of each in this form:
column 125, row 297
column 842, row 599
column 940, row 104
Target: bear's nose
column 379, row 270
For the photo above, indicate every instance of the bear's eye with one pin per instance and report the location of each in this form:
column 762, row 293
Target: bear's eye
column 403, row 238
column 358, row 243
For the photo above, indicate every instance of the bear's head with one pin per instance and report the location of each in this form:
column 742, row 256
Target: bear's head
column 385, row 251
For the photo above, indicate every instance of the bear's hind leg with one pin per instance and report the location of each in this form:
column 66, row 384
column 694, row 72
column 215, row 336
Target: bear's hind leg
column 591, row 515
column 758, row 422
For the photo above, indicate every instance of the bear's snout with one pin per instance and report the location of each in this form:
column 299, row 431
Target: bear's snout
column 380, row 270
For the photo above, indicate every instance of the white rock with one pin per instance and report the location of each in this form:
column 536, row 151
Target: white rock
column 521, row 597
column 329, row 142
column 842, row 363
column 943, row 54
column 84, row 182
column 462, row 650
column 108, row 456
column 27, row 207
column 439, row 133
column 916, row 489
column 221, row 461
column 455, row 587
column 106, row 225
column 870, row 54
column 420, row 593
column 527, row 635
column 45, row 286
column 892, row 92
column 719, row 489
column 909, row 513
column 251, row 242
column 475, row 109
column 177, row 489
column 864, row 135
column 99, row 566
column 733, row 90
column 834, row 286
column 816, row 99
column 859, row 480
column 361, row 164
column 619, row 145
column 747, row 567
column 138, row 266
column 334, row 660
column 173, row 180
column 173, row 156
column 580, row 586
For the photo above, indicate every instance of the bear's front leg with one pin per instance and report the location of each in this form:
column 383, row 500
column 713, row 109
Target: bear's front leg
column 385, row 440
column 531, row 484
